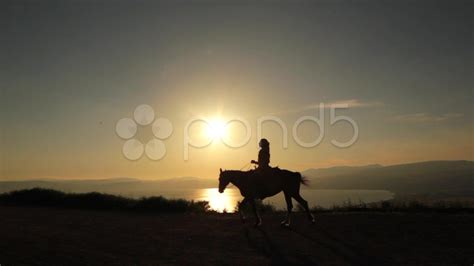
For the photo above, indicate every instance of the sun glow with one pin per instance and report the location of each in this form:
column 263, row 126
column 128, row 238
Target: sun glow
column 221, row 202
column 216, row 129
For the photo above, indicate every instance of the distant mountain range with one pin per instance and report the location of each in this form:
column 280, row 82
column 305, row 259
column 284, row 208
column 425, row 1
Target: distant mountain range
column 432, row 177
column 453, row 177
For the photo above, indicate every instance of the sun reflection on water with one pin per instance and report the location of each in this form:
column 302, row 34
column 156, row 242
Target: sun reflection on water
column 220, row 202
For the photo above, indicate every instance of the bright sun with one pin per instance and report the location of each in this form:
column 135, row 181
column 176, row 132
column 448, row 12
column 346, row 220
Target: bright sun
column 216, row 129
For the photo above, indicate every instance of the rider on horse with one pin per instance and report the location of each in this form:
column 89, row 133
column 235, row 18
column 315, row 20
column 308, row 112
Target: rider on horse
column 264, row 182
column 263, row 156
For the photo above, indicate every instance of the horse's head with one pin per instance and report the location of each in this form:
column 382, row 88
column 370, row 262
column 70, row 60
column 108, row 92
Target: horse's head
column 224, row 180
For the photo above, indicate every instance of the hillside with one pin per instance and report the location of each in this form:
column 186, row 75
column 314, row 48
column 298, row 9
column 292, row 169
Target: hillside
column 451, row 177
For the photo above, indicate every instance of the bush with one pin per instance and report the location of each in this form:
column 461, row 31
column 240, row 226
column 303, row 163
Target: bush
column 170, row 205
column 35, row 196
column 95, row 200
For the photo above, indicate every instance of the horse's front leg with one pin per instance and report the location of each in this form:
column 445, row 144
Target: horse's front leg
column 241, row 209
column 258, row 222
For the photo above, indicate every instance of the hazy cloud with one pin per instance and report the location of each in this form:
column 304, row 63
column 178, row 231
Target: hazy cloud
column 351, row 103
column 426, row 117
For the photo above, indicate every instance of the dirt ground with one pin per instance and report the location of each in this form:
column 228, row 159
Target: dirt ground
column 49, row 236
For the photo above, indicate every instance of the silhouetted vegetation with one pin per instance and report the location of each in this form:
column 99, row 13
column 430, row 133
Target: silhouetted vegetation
column 408, row 205
column 261, row 206
column 100, row 201
column 411, row 205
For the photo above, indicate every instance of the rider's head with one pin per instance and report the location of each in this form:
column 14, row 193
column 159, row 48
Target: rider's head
column 264, row 143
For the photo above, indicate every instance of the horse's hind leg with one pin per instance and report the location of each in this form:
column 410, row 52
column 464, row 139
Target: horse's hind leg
column 304, row 203
column 289, row 207
column 255, row 211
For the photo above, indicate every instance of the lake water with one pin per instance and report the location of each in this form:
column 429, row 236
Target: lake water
column 316, row 197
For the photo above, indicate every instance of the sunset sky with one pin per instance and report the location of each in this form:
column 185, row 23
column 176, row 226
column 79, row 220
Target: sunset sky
column 70, row 70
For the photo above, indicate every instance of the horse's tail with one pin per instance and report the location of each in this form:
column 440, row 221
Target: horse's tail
column 304, row 180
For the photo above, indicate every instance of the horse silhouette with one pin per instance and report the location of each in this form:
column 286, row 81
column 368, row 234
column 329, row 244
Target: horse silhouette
column 255, row 184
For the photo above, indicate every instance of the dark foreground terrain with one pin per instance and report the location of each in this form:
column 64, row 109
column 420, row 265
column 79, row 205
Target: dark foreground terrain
column 35, row 235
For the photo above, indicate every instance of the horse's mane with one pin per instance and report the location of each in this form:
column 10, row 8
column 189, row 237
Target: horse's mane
column 237, row 171
column 240, row 172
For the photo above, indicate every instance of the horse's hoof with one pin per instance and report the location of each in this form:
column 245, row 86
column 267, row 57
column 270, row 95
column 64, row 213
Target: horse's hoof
column 258, row 224
column 285, row 224
column 313, row 221
column 243, row 220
